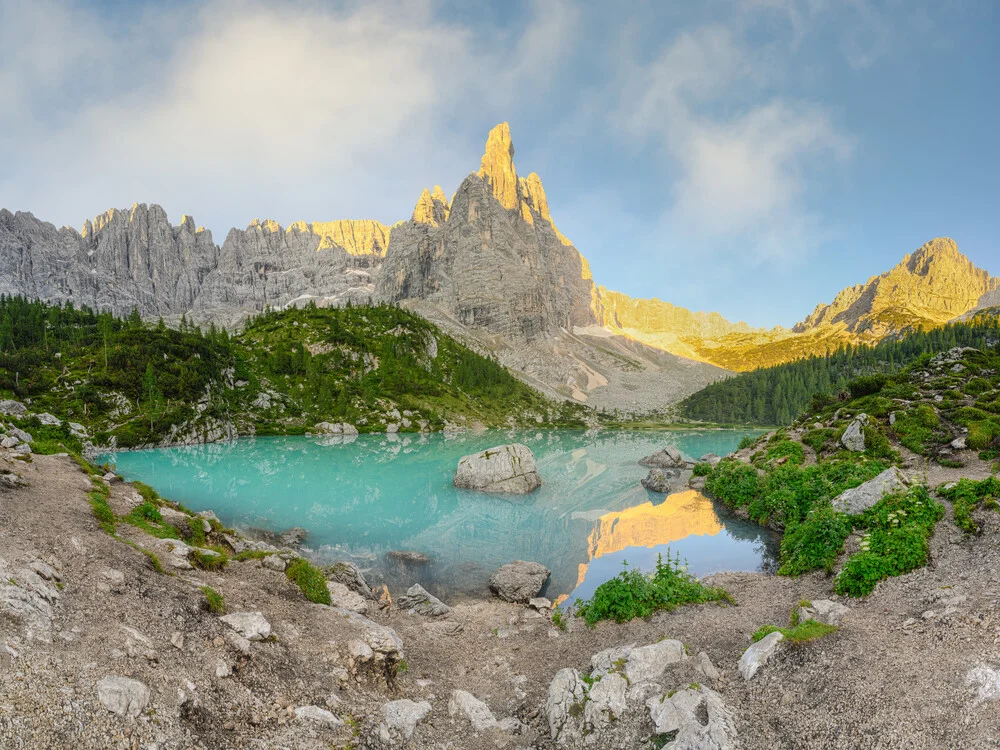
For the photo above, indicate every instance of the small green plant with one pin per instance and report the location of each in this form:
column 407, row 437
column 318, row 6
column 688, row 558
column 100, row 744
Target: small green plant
column 748, row 442
column 633, row 593
column 206, row 560
column 815, row 542
column 214, row 602
column 797, row 632
column 98, row 498
column 146, row 492
column 558, row 619
column 702, row 470
column 309, row 579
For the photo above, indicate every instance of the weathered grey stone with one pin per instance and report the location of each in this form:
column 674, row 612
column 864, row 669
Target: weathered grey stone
column 825, row 611
column 251, row 625
column 540, row 603
column 10, row 408
column 293, row 537
column 853, row 438
column 700, row 718
column 711, row 459
column 404, row 715
column 477, row 712
column 518, row 581
column 565, row 699
column 864, row 496
column 665, row 458
column 122, row 695
column 704, row 665
column 660, row 480
column 958, row 443
column 758, row 654
column 341, row 596
column 317, row 715
column 418, row 600
column 351, row 576
column 507, row 469
column 606, row 701
column 648, row 663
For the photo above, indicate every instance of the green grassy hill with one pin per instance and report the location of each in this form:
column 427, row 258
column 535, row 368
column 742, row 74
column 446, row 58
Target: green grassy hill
column 374, row 367
column 775, row 395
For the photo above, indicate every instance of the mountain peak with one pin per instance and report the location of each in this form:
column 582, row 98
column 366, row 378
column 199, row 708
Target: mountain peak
column 431, row 208
column 497, row 166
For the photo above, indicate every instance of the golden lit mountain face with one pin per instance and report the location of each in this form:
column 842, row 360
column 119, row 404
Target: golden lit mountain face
column 930, row 287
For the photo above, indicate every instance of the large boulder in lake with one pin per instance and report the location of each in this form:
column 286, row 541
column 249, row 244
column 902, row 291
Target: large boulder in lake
column 665, row 458
column 508, row 469
column 660, row 480
column 519, row 581
column 862, row 497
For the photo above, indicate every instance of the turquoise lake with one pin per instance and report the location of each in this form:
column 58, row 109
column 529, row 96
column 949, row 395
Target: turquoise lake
column 361, row 498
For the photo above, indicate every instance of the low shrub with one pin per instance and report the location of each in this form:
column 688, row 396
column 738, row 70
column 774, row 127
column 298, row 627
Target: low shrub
column 633, row 593
column 899, row 527
column 702, row 470
column 966, row 496
column 734, row 483
column 789, row 449
column 815, row 542
column 866, row 385
column 817, row 438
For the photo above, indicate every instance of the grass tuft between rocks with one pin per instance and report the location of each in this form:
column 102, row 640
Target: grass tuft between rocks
column 801, row 632
column 309, row 579
column 214, row 602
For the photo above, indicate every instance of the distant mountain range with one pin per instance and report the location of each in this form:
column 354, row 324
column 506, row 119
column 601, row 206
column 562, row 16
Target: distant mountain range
column 489, row 265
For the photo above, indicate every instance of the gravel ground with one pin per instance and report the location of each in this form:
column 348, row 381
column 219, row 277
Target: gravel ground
column 896, row 675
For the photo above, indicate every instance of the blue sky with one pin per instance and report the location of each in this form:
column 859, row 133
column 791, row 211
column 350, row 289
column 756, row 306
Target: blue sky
column 747, row 156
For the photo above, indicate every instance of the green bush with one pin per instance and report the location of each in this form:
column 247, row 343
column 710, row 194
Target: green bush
column 789, row 449
column 977, row 386
column 866, row 385
column 748, row 442
column 817, row 438
column 899, row 527
column 634, row 594
column 734, row 483
column 814, row 543
column 702, row 470
column 206, row 561
column 309, row 579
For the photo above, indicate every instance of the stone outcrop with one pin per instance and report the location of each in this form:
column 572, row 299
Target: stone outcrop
column 505, row 469
column 660, row 480
column 759, row 654
column 862, row 497
column 665, row 458
column 853, row 438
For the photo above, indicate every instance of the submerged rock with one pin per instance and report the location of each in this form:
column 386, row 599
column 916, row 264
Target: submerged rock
column 519, row 581
column 408, row 557
column 864, row 496
column 507, row 469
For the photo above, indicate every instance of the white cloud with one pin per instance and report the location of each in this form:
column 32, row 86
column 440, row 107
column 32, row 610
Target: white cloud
column 234, row 109
column 737, row 156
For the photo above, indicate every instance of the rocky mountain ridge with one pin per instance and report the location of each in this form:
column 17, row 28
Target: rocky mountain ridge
column 489, row 265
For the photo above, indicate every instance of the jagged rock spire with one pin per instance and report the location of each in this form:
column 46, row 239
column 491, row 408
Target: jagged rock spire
column 497, row 167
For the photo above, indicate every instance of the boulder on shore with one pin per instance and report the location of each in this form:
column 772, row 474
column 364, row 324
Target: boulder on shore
column 864, row 496
column 665, row 458
column 518, row 581
column 506, row 469
column 418, row 599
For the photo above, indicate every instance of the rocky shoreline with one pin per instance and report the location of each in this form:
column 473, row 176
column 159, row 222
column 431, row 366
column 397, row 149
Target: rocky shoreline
column 117, row 654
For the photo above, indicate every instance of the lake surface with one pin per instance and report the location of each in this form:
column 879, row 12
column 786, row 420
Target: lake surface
column 364, row 497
